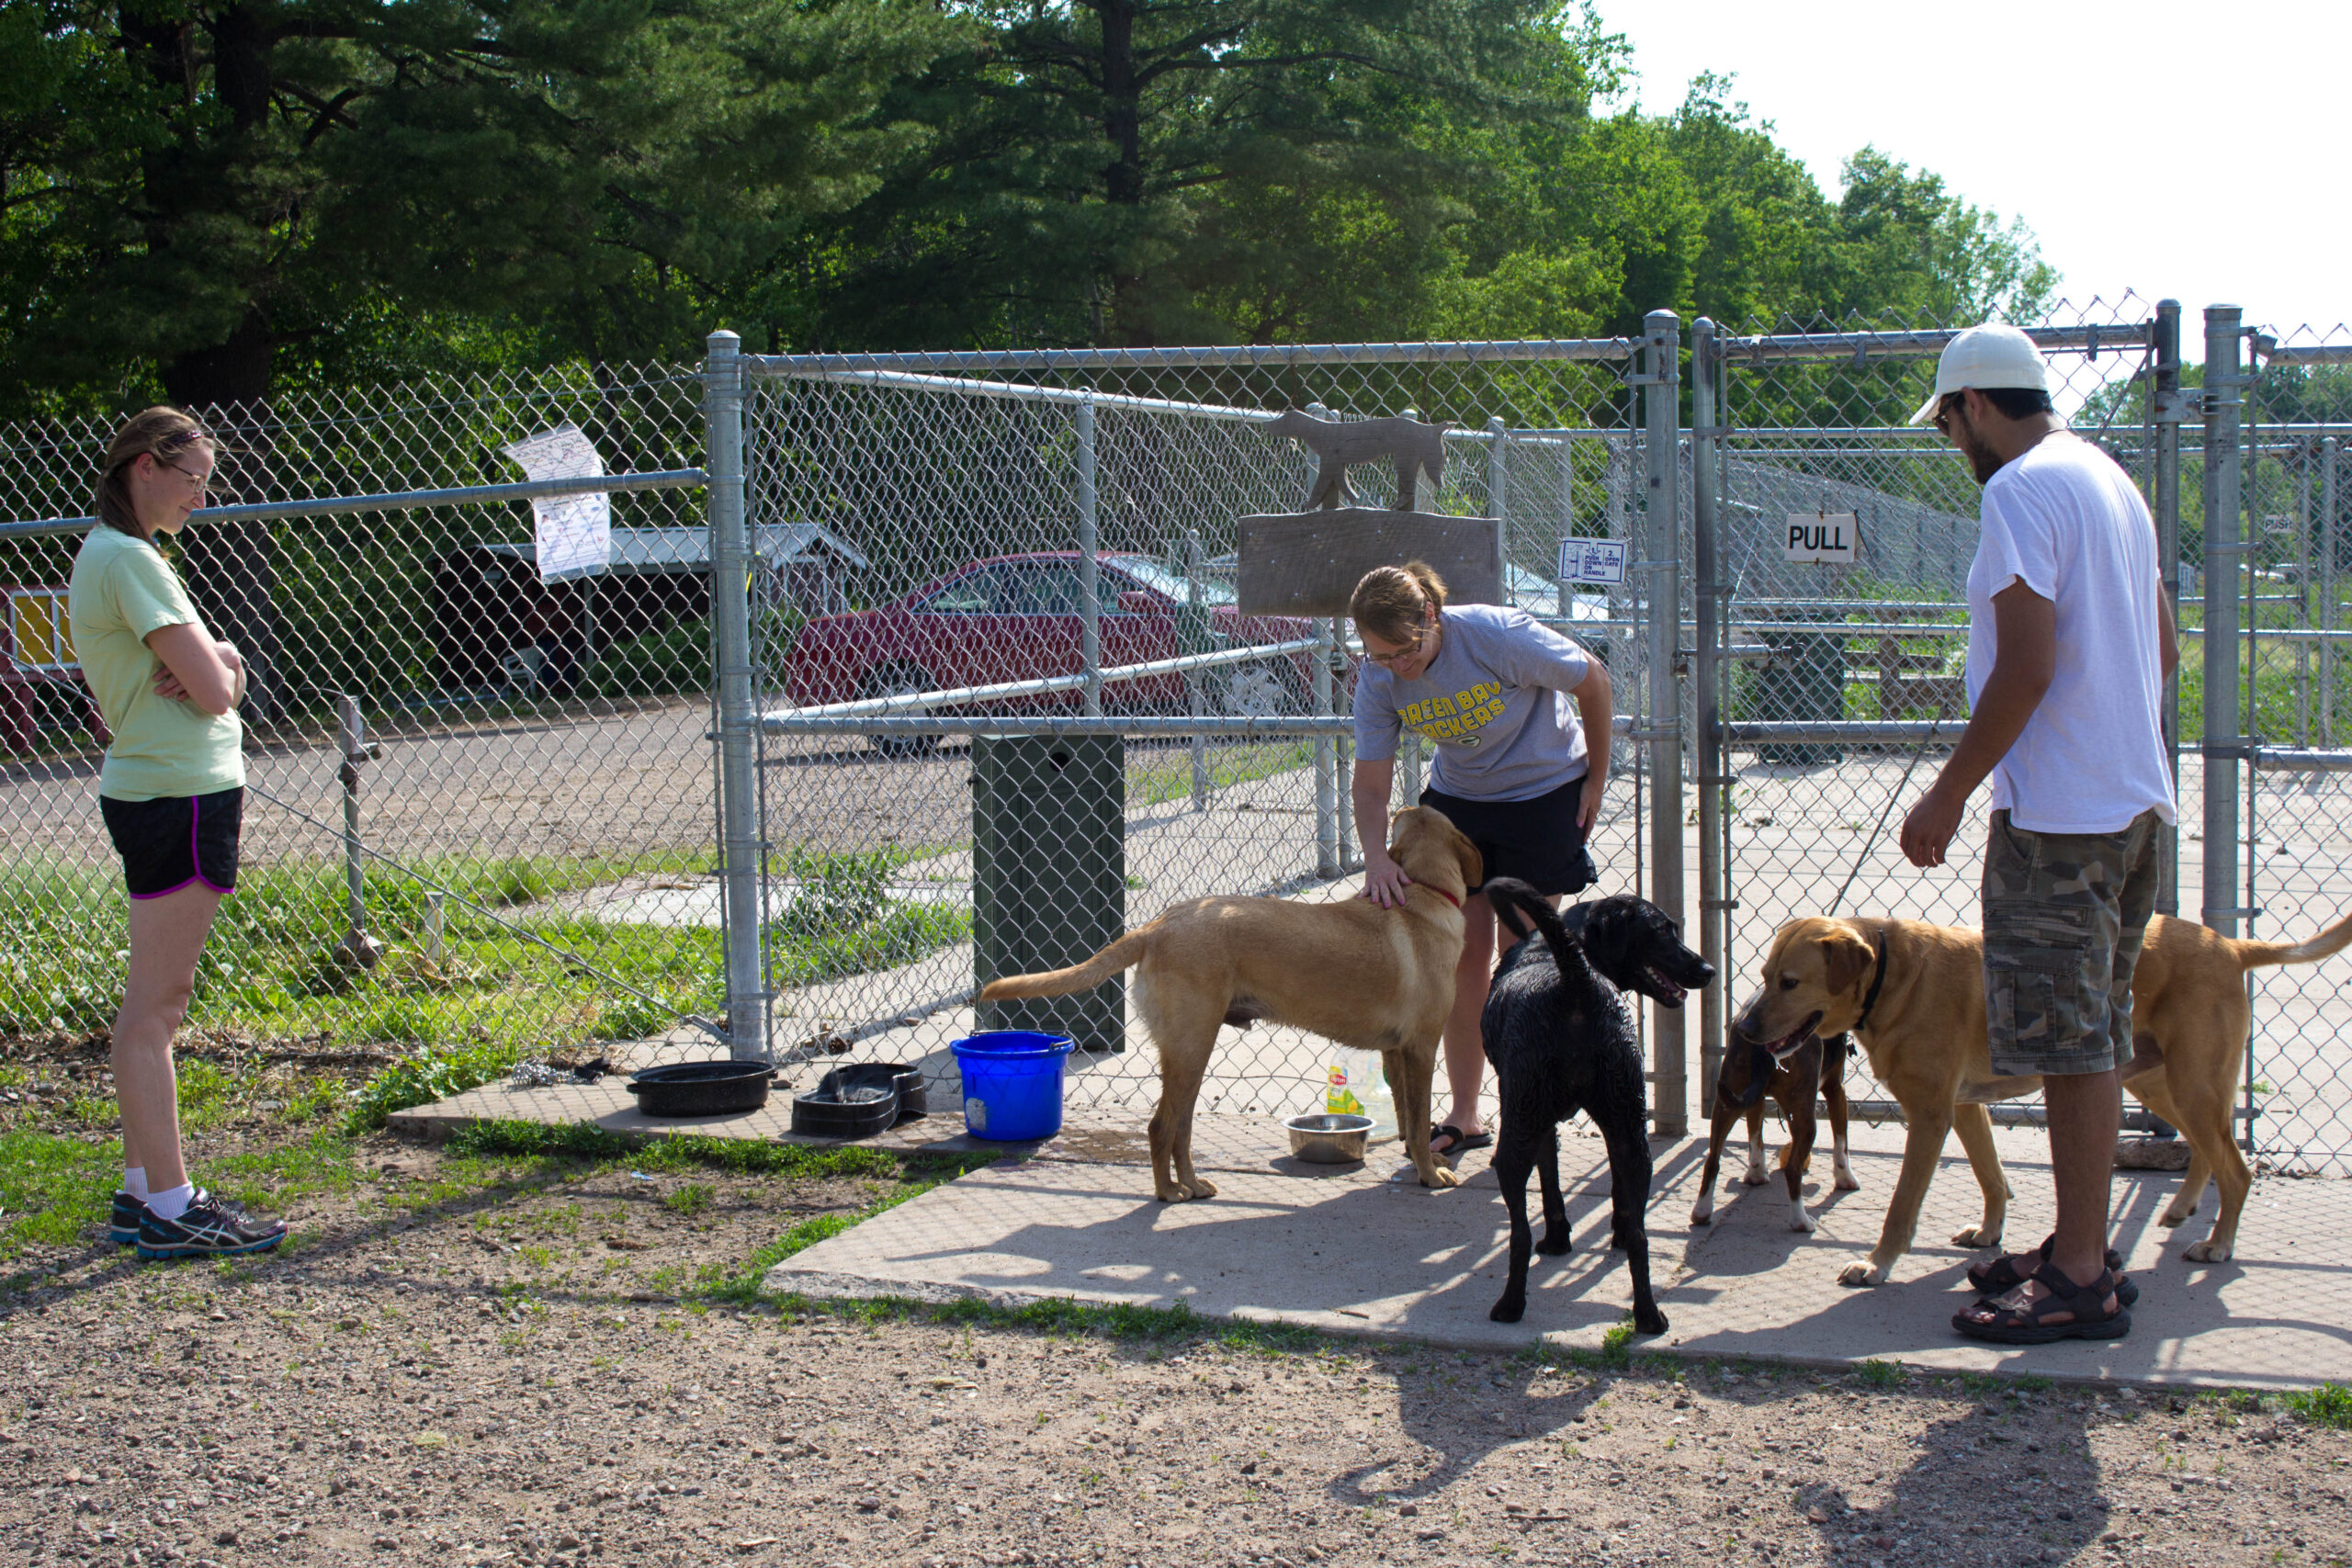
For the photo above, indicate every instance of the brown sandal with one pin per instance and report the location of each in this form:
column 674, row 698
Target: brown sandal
column 2030, row 1324
column 2000, row 1276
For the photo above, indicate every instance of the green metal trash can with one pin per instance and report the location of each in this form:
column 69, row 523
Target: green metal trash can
column 1049, row 877
column 1804, row 679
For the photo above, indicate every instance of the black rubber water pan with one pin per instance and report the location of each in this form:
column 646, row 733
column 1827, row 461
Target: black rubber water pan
column 701, row 1088
column 855, row 1102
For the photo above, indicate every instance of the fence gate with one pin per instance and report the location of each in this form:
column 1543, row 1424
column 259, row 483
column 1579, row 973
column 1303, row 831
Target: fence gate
column 1036, row 559
column 2291, row 876
column 1832, row 687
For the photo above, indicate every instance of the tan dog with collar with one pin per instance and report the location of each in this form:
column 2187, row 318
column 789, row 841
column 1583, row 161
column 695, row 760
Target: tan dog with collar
column 1377, row 979
column 1928, row 1043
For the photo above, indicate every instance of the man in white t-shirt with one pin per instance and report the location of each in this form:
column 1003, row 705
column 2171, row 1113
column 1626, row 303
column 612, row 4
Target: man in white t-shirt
column 2070, row 640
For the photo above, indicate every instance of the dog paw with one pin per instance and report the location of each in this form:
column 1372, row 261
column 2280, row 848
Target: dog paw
column 1978, row 1235
column 1440, row 1178
column 1554, row 1246
column 1756, row 1176
column 1511, row 1309
column 1203, row 1187
column 2169, row 1218
column 1846, row 1182
column 2210, row 1251
column 1702, row 1215
column 1652, row 1323
column 1862, row 1274
column 1171, row 1194
column 1798, row 1219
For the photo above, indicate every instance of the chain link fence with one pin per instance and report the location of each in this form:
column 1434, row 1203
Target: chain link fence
column 481, row 809
column 985, row 695
column 944, row 782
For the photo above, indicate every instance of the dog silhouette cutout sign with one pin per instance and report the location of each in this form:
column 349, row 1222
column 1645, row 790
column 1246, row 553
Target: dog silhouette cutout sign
column 1309, row 562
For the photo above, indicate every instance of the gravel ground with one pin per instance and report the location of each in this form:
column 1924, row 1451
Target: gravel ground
column 473, row 1360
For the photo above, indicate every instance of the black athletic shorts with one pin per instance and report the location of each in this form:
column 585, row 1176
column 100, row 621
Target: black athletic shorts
column 1536, row 840
column 174, row 839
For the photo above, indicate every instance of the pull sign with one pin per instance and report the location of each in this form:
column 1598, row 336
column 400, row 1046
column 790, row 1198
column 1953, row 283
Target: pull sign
column 1592, row 560
column 1822, row 536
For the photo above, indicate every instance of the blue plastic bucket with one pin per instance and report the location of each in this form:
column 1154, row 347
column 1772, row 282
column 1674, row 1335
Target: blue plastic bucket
column 1012, row 1083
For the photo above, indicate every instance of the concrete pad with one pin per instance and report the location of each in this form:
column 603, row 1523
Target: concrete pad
column 1352, row 1250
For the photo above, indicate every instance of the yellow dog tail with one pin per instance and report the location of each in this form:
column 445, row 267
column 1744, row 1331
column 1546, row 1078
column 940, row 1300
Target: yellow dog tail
column 2336, row 938
column 1124, row 953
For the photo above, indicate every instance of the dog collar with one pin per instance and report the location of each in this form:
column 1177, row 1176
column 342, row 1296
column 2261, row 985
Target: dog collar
column 1441, row 892
column 1869, row 999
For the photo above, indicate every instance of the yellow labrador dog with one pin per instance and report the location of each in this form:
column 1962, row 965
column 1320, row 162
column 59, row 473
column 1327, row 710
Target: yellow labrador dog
column 1914, row 994
column 1379, row 979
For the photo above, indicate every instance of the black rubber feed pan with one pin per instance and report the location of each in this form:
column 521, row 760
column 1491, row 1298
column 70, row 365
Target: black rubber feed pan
column 914, row 1102
column 701, row 1088
column 854, row 1102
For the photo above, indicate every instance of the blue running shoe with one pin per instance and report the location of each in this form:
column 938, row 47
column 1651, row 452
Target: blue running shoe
column 122, row 1228
column 213, row 1227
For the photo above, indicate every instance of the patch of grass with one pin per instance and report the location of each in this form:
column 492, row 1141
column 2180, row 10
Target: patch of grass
column 424, row 1075
column 2329, row 1404
column 1880, row 1374
column 53, row 1188
column 1161, row 775
column 692, row 1199
column 582, row 1140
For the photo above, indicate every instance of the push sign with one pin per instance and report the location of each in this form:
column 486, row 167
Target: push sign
column 1592, row 560
column 1823, row 536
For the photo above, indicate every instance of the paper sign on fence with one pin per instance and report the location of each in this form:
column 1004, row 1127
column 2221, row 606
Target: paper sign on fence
column 573, row 533
column 1823, row 536
column 1592, row 560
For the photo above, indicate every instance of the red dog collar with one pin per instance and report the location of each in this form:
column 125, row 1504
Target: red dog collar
column 1441, row 892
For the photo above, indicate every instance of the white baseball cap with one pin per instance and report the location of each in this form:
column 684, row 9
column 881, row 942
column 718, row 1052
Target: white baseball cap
column 1986, row 358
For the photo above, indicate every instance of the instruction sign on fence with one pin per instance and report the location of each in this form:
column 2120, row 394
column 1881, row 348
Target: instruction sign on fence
column 574, row 533
column 1823, row 536
column 1592, row 560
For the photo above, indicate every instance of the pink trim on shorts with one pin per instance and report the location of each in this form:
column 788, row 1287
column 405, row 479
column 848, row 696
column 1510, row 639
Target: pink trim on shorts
column 196, row 854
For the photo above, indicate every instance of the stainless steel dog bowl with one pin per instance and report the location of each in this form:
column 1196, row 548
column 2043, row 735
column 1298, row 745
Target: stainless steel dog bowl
column 1324, row 1139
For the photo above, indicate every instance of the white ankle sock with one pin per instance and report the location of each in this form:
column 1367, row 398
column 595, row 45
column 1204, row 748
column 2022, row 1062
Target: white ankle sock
column 134, row 1182
column 173, row 1201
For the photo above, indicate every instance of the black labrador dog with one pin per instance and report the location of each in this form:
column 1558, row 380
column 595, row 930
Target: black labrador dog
column 1562, row 1041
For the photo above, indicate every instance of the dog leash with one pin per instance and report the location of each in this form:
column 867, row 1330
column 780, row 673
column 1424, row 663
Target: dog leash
column 1900, row 785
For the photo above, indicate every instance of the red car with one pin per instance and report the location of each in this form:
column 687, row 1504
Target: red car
column 1016, row 618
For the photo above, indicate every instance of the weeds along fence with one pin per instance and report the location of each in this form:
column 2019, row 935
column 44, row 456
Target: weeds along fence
column 524, row 763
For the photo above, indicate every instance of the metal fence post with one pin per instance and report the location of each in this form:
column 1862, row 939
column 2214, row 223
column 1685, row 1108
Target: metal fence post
column 1326, row 769
column 1497, row 481
column 352, row 730
column 2165, row 427
column 1706, row 375
column 2222, row 455
column 1662, row 424
column 730, row 621
column 1089, row 580
column 1193, row 696
column 2328, row 451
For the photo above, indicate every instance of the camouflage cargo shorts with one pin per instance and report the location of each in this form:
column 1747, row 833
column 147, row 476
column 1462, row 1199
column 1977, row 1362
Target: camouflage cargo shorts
column 2065, row 914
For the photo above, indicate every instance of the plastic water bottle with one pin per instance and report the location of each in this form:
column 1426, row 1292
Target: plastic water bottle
column 1355, row 1085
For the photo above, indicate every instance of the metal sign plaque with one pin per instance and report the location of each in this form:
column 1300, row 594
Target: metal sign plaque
column 1822, row 537
column 1592, row 560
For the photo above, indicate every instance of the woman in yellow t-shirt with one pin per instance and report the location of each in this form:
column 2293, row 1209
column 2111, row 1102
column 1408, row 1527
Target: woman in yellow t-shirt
column 172, row 792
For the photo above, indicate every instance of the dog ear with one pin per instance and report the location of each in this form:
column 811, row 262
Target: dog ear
column 1473, row 864
column 1845, row 959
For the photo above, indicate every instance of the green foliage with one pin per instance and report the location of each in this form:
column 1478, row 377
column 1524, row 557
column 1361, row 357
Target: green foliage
column 53, row 1188
column 2329, row 1404
column 246, row 198
column 424, row 1075
column 1879, row 1375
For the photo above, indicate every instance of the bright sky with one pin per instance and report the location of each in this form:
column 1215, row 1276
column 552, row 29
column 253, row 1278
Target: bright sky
column 2174, row 149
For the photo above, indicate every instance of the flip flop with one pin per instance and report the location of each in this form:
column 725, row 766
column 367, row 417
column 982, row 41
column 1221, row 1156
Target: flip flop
column 1458, row 1140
